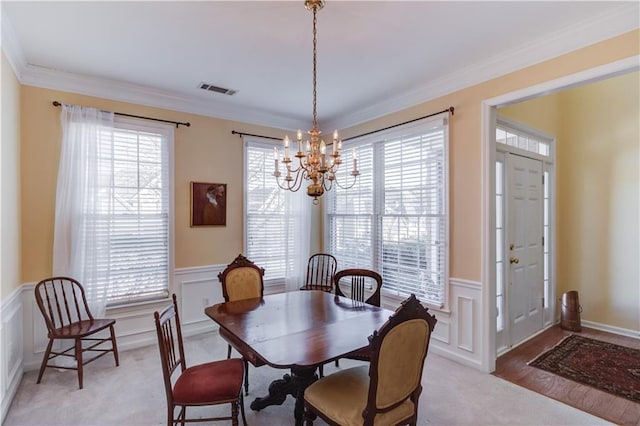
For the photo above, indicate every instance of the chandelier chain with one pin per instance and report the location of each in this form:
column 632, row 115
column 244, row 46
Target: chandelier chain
column 315, row 66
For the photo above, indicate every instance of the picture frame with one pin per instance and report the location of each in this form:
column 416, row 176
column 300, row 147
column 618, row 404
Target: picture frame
column 208, row 204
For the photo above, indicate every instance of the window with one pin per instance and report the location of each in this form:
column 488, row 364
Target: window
column 276, row 221
column 136, row 205
column 510, row 134
column 395, row 218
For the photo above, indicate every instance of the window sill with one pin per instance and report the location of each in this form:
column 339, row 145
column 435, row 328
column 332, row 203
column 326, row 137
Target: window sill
column 392, row 302
column 131, row 306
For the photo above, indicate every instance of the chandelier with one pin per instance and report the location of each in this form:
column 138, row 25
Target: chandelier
column 314, row 164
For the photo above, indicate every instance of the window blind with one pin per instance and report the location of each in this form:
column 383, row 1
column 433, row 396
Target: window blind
column 395, row 219
column 268, row 236
column 135, row 209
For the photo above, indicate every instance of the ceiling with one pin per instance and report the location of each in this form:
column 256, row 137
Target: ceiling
column 374, row 58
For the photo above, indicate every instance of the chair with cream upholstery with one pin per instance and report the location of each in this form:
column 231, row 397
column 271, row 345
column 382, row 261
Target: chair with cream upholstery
column 241, row 279
column 385, row 392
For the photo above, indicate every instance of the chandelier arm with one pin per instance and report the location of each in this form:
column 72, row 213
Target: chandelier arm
column 293, row 187
column 355, row 178
column 327, row 187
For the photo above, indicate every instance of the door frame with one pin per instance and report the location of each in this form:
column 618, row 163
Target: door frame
column 488, row 131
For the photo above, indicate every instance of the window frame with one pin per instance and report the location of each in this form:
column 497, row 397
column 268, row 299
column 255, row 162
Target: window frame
column 416, row 128
column 167, row 131
column 272, row 283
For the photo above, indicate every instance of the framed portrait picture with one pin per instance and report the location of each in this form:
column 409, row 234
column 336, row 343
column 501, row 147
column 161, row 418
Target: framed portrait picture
column 208, row 204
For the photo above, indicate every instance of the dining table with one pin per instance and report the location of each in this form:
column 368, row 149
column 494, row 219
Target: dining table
column 297, row 331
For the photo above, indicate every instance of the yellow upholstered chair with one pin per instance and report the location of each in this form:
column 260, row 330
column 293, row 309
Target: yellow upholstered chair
column 241, row 279
column 385, row 392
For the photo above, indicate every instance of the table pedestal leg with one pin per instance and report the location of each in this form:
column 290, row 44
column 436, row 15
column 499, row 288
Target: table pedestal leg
column 292, row 384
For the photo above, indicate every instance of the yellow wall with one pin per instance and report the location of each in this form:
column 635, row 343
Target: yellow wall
column 598, row 188
column 598, row 139
column 9, row 182
column 466, row 134
column 204, row 152
column 208, row 151
column 543, row 113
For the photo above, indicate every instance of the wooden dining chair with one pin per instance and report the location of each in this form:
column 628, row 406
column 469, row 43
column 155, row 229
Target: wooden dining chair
column 212, row 383
column 387, row 391
column 241, row 279
column 321, row 269
column 362, row 285
column 63, row 304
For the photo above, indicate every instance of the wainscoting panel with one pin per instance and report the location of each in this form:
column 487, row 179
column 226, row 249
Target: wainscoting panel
column 200, row 288
column 11, row 343
column 458, row 333
column 465, row 323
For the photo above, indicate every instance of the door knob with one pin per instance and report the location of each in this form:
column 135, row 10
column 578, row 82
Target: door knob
column 513, row 260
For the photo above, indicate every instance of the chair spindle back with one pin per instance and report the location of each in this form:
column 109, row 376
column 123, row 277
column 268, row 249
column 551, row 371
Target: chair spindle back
column 62, row 301
column 170, row 341
column 362, row 285
column 321, row 269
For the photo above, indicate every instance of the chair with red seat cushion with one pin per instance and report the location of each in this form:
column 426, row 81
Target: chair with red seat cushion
column 212, row 383
column 63, row 305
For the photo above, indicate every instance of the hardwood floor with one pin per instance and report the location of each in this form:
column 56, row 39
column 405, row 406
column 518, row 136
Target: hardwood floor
column 513, row 367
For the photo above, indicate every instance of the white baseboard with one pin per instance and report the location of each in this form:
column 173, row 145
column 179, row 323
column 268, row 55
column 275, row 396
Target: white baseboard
column 612, row 329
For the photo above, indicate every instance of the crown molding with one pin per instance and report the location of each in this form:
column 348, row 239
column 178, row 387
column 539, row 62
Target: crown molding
column 619, row 21
column 11, row 46
column 149, row 96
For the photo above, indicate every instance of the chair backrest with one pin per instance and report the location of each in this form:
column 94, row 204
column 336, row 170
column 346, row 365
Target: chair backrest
column 170, row 344
column 399, row 350
column 359, row 284
column 62, row 301
column 320, row 271
column 241, row 279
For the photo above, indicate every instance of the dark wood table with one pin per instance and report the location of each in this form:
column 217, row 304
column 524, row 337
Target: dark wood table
column 297, row 330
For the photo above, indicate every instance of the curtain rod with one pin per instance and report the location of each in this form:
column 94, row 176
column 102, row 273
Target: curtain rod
column 233, row 132
column 177, row 123
column 449, row 110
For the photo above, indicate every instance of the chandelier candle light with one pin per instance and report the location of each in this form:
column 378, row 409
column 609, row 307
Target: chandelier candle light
column 314, row 163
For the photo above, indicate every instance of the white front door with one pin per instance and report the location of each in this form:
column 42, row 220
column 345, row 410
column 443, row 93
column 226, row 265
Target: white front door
column 525, row 290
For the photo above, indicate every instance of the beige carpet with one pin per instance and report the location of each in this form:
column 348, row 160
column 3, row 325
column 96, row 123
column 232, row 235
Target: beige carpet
column 133, row 394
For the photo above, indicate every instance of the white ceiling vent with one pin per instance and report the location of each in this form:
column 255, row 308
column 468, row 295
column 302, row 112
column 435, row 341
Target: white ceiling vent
column 218, row 89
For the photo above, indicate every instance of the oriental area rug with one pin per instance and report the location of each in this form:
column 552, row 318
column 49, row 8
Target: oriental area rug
column 611, row 368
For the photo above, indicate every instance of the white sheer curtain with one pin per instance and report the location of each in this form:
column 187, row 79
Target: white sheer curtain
column 81, row 233
column 298, row 226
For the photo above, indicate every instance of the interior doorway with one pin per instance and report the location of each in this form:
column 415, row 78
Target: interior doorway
column 490, row 153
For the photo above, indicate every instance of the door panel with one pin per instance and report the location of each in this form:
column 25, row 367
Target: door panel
column 525, row 204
